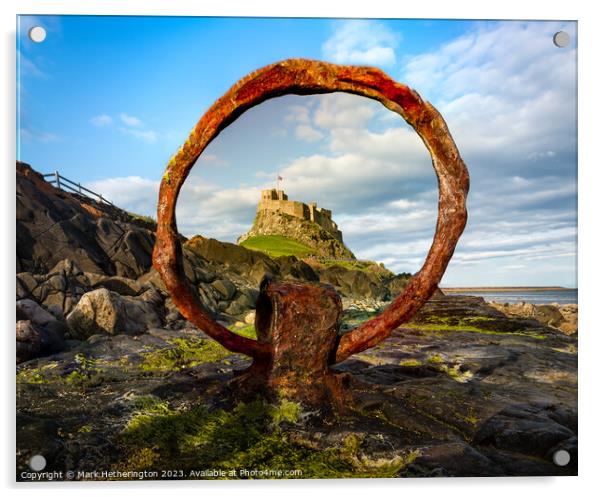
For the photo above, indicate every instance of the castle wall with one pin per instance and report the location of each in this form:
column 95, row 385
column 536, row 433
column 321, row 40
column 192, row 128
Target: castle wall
column 290, row 207
column 277, row 200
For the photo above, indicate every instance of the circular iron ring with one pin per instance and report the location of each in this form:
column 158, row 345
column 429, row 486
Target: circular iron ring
column 306, row 77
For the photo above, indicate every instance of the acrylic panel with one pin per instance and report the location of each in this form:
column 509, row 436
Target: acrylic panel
column 286, row 248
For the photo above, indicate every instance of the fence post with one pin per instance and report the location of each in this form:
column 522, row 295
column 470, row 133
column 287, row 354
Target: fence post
column 57, row 176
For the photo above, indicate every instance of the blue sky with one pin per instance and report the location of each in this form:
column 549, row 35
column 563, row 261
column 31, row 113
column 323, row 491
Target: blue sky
column 107, row 101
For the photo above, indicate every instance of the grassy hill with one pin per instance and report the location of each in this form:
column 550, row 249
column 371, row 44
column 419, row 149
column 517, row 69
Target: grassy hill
column 358, row 265
column 311, row 237
column 277, row 245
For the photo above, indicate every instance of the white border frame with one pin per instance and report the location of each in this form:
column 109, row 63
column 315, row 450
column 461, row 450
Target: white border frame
column 589, row 225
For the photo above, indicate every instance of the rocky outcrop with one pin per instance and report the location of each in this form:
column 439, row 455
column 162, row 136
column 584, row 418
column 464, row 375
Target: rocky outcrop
column 465, row 389
column 59, row 290
column 69, row 245
column 353, row 282
column 104, row 312
column 53, row 225
column 560, row 316
column 301, row 230
column 38, row 332
column 252, row 265
column 462, row 390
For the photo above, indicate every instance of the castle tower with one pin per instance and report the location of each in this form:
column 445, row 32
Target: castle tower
column 312, row 211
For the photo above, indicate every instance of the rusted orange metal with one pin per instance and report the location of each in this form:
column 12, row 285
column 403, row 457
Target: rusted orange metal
column 304, row 77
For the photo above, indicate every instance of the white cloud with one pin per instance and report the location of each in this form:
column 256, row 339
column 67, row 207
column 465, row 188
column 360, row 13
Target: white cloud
column 342, row 181
column 30, row 135
column 133, row 127
column 530, row 253
column 308, row 133
column 389, row 223
column 356, row 159
column 402, row 204
column 132, row 193
column 522, row 192
column 213, row 160
column 102, row 120
column 148, row 136
column 202, row 207
column 128, row 120
column 298, row 114
column 504, row 89
column 342, row 111
column 541, row 155
column 214, row 202
column 361, row 42
column 510, row 107
column 206, row 209
column 27, row 67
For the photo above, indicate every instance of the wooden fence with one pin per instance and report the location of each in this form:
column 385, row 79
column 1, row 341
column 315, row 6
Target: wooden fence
column 66, row 184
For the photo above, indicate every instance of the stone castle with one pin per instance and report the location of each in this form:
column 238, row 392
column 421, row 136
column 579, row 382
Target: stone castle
column 277, row 200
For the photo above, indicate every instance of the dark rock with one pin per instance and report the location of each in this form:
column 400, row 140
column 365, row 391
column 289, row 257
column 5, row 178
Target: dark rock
column 38, row 435
column 152, row 278
column 224, row 253
column 30, row 310
column 117, row 284
column 236, row 309
column 248, row 297
column 208, row 296
column 245, row 301
column 260, row 269
column 452, row 459
column 562, row 317
column 62, row 287
column 29, row 341
column 461, row 402
column 351, row 282
column 523, row 426
column 102, row 311
column 226, row 288
column 53, row 225
column 38, row 332
column 291, row 267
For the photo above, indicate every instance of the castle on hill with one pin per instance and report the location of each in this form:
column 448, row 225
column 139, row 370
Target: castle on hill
column 277, row 200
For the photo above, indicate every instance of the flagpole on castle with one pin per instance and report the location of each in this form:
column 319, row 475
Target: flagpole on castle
column 278, row 181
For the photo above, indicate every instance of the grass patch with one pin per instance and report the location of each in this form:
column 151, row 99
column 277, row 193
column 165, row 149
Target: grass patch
column 84, row 371
column 277, row 245
column 455, row 373
column 30, row 376
column 435, row 359
column 148, row 222
column 186, row 353
column 250, row 436
column 366, row 266
column 410, row 363
column 470, row 329
column 77, row 377
column 246, row 331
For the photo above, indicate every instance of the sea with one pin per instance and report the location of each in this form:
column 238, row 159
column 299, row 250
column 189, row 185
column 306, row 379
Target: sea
column 561, row 296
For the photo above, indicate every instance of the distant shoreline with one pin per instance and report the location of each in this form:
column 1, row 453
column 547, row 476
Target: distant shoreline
column 488, row 289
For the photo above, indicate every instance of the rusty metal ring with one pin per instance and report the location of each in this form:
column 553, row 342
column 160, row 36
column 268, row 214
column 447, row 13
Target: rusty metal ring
column 306, row 77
